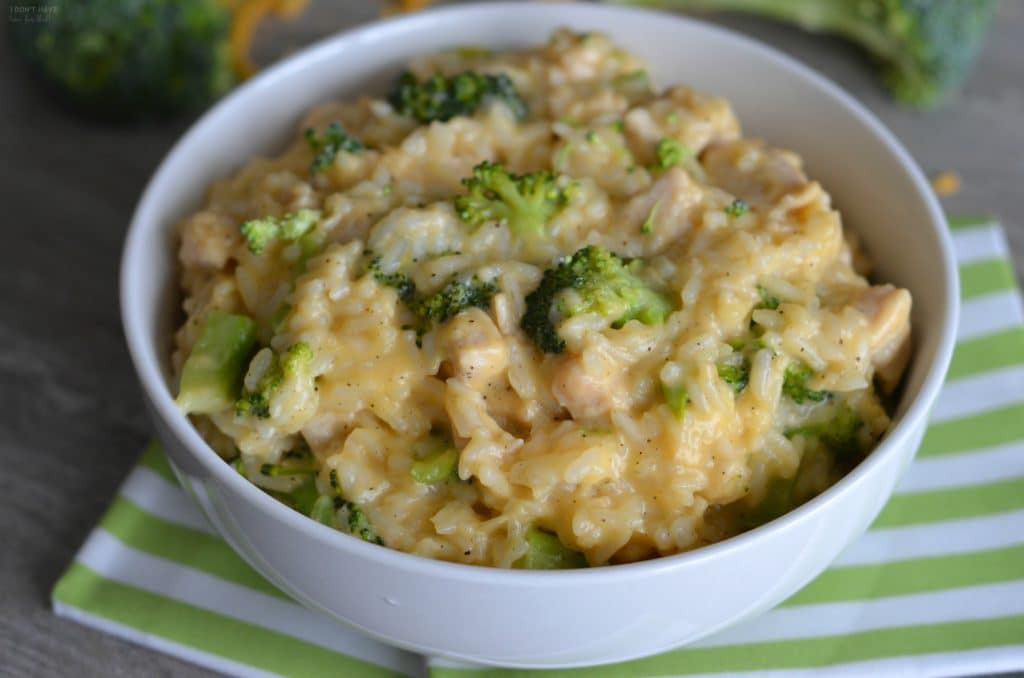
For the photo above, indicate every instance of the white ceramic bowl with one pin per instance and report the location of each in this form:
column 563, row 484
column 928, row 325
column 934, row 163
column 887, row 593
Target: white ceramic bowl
column 548, row 619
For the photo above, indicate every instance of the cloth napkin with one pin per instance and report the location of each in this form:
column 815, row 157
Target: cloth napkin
column 935, row 587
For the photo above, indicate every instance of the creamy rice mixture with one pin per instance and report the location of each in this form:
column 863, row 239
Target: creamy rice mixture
column 459, row 437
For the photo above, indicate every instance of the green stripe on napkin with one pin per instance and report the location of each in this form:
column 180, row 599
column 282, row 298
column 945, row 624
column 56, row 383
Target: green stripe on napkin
column 791, row 654
column 864, row 582
column 936, row 585
column 993, row 427
column 165, row 539
column 188, row 625
column 986, row 353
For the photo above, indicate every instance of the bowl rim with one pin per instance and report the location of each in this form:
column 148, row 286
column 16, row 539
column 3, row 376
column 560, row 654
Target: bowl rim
column 145, row 221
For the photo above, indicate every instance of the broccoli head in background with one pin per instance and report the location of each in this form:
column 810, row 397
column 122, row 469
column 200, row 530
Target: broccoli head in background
column 925, row 48
column 117, row 59
column 120, row 60
column 593, row 280
column 444, row 97
column 526, row 202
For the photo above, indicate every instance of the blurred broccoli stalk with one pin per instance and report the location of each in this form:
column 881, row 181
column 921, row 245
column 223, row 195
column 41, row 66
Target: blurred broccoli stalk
column 925, row 48
column 120, row 60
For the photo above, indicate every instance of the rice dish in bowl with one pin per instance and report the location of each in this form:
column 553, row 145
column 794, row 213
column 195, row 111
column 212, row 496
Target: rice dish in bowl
column 532, row 311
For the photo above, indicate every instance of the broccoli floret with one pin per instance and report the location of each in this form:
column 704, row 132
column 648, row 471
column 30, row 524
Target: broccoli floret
column 737, row 208
column 526, row 202
column 839, row 434
column 460, row 293
column 671, row 152
column 259, row 233
column 325, row 146
column 794, row 384
column 442, row 97
column 358, row 524
column 768, row 300
column 125, row 59
column 593, row 280
column 925, row 48
column 546, row 552
column 402, row 283
column 736, row 375
column 306, row 498
column 269, row 371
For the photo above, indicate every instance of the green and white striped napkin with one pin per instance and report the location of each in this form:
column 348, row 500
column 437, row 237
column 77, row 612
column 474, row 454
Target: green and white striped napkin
column 935, row 587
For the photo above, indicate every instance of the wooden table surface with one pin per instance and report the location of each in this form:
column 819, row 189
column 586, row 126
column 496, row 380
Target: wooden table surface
column 71, row 418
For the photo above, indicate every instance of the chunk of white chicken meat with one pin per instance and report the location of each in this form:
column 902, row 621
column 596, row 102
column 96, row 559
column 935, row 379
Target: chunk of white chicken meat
column 887, row 309
column 753, row 172
column 207, row 241
column 407, row 234
column 589, row 384
column 662, row 214
column 689, row 117
column 474, row 347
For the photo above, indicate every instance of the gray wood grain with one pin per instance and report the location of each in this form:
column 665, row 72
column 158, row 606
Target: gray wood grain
column 71, row 422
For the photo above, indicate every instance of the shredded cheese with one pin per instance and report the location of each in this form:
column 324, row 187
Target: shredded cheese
column 946, row 184
column 247, row 16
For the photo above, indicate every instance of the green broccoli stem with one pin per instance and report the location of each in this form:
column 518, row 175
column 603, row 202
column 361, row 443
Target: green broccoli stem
column 436, row 467
column 835, row 16
column 323, row 510
column 546, row 552
column 211, row 377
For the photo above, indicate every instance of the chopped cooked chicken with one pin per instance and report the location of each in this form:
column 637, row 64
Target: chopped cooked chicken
column 852, row 253
column 689, row 117
column 474, row 346
column 751, row 171
column 662, row 214
column 207, row 239
column 888, row 312
column 590, row 384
